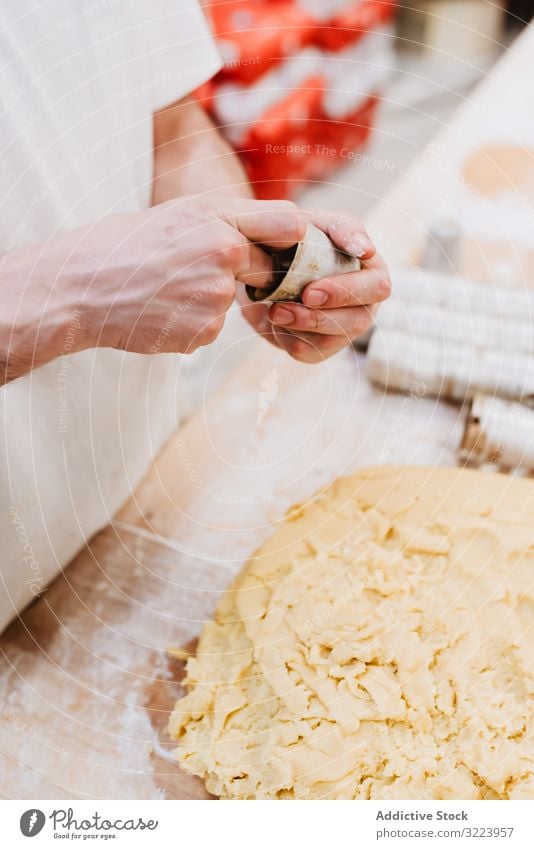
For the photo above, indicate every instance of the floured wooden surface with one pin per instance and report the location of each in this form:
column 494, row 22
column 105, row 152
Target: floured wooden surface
column 86, row 669
column 85, row 682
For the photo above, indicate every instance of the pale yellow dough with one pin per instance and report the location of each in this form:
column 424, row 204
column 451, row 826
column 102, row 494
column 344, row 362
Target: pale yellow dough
column 379, row 646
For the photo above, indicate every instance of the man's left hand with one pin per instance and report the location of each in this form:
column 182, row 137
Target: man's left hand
column 335, row 310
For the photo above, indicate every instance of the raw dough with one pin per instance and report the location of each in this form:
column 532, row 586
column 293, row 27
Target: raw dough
column 379, row 646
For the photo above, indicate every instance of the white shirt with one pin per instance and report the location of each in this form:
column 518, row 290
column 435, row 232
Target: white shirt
column 80, row 82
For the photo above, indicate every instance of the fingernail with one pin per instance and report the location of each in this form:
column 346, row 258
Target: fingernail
column 282, row 316
column 316, row 298
column 358, row 247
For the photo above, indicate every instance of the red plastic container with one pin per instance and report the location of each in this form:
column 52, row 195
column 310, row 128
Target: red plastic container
column 299, row 90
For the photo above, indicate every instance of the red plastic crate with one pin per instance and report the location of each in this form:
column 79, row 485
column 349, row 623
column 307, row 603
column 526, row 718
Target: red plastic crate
column 255, row 37
column 353, row 23
column 305, row 151
column 280, row 98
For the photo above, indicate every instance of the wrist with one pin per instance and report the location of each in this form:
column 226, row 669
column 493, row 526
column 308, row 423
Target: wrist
column 42, row 318
column 64, row 321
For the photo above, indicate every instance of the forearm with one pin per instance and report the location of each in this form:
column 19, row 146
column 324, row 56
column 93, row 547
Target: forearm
column 42, row 292
column 192, row 158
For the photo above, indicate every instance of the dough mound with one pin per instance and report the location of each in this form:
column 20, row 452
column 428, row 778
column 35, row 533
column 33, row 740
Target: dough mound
column 379, row 646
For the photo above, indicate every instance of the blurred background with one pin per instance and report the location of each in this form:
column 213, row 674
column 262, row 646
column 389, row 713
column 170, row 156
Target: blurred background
column 313, row 88
column 328, row 101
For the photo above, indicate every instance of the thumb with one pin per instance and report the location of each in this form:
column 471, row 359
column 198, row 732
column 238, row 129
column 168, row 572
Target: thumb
column 276, row 223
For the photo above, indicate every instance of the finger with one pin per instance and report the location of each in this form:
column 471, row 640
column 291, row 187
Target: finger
column 348, row 322
column 257, row 270
column 370, row 285
column 257, row 315
column 346, row 232
column 278, row 224
column 308, row 347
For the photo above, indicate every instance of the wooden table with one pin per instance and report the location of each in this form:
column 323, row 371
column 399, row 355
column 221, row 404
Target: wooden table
column 86, row 682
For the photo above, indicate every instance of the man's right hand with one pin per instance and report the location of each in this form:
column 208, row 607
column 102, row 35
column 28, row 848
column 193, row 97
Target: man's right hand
column 168, row 276
column 160, row 280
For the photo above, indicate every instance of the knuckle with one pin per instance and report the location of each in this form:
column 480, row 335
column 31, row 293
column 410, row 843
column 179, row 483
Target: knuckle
column 217, row 325
column 300, row 350
column 313, row 355
column 299, row 223
column 223, row 292
column 344, row 296
column 209, row 335
column 361, row 323
column 230, row 249
column 210, row 331
column 312, row 319
column 293, row 220
column 202, row 337
column 355, row 225
column 384, row 286
column 192, row 346
column 340, row 293
column 341, row 218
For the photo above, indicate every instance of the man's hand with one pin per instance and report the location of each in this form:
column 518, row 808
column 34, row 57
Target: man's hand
column 192, row 157
column 156, row 281
column 335, row 310
column 163, row 280
column 172, row 274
